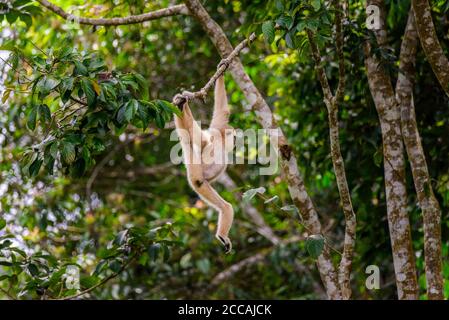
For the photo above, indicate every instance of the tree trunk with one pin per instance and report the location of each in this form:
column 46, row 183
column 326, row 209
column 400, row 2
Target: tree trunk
column 394, row 166
column 427, row 200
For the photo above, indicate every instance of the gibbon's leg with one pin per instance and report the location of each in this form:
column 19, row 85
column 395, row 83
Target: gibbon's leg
column 224, row 208
column 220, row 117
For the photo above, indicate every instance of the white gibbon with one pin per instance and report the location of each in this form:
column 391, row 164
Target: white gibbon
column 205, row 155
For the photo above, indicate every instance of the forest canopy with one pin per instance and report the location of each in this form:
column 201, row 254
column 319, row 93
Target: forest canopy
column 339, row 191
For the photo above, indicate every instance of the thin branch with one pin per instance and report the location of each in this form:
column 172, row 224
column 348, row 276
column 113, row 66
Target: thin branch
column 328, row 96
column 222, row 67
column 153, row 15
column 339, row 43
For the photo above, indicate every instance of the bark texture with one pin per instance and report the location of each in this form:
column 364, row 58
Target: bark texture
column 289, row 164
column 427, row 201
column 430, row 42
column 394, row 166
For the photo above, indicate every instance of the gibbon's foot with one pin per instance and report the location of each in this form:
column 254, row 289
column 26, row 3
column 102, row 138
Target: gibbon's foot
column 224, row 62
column 226, row 243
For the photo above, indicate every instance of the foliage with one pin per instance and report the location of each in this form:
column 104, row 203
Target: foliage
column 77, row 103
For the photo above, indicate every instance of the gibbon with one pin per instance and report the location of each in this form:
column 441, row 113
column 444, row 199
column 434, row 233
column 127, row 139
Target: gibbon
column 205, row 156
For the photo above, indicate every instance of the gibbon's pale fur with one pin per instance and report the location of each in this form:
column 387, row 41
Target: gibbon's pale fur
column 205, row 153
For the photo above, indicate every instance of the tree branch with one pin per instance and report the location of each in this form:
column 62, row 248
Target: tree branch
column 157, row 14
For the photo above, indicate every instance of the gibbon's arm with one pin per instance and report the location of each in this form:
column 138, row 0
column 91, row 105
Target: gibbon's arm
column 220, row 117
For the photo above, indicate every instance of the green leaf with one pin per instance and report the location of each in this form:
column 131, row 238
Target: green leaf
column 63, row 52
column 131, row 109
column 285, row 22
column 89, row 281
column 153, row 251
column 100, row 266
column 378, row 158
column 251, row 193
column 144, row 116
column 315, row 245
column 279, row 5
column 80, row 69
column 316, row 4
column 2, row 223
column 54, row 150
column 167, row 107
column 46, row 85
column 121, row 118
column 6, row 94
column 115, row 266
column 203, row 265
column 26, row 18
column 32, row 118
column 160, row 122
column 88, row 90
column 68, row 152
column 268, row 31
column 32, row 268
column 35, row 167
column 143, row 84
column 290, row 40
column 97, row 64
column 121, row 238
column 44, row 113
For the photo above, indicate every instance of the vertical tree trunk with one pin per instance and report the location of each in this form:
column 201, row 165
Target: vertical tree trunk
column 394, row 166
column 427, row 200
column 289, row 164
column 430, row 42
